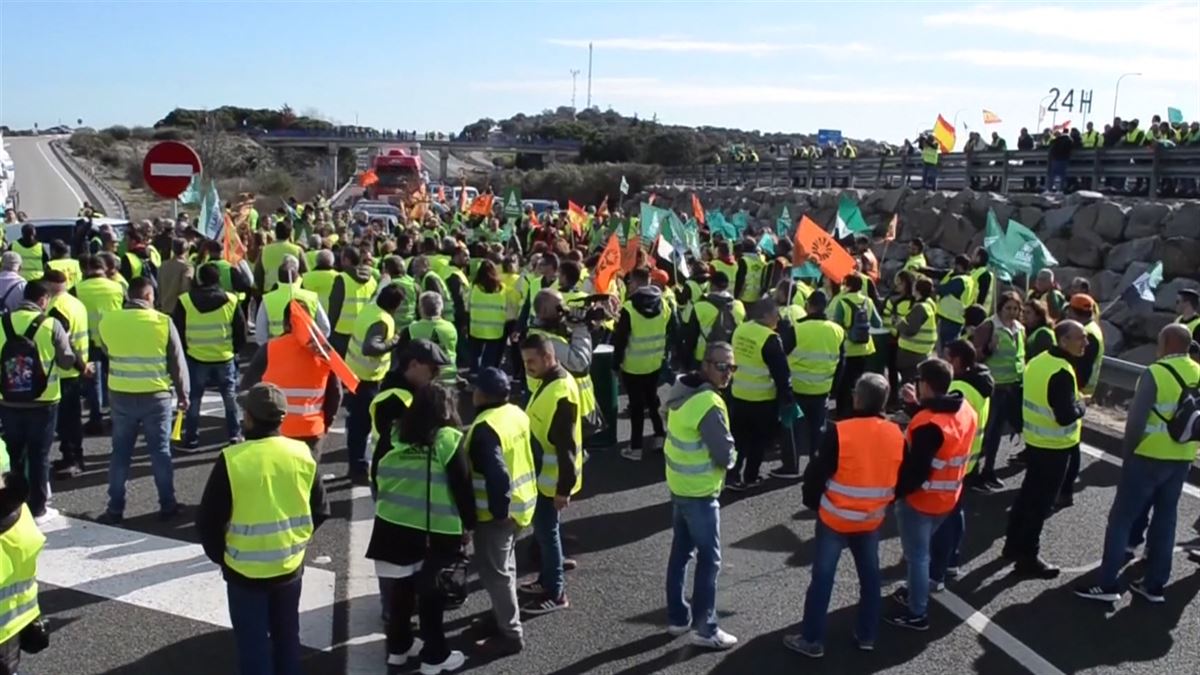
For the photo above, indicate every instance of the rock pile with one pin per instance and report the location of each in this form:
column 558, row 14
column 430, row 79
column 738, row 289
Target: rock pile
column 1109, row 241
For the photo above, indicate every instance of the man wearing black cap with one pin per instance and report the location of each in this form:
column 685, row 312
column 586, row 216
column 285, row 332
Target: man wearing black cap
column 505, row 496
column 258, row 486
column 418, row 364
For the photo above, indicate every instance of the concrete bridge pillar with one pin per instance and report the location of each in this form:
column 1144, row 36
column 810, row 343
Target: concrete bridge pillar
column 333, row 171
column 443, row 163
column 552, row 157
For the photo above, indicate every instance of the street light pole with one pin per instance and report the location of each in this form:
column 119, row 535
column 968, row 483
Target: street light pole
column 1117, row 92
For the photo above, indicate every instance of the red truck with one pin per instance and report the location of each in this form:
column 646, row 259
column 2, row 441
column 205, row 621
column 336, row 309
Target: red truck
column 398, row 174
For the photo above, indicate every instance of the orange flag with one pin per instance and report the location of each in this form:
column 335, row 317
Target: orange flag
column 533, row 220
column 890, row 235
column 629, row 255
column 602, row 210
column 441, row 196
column 697, row 209
column 234, row 250
column 462, row 196
column 577, row 217
column 813, row 243
column 368, row 178
column 304, row 330
column 609, row 265
column 482, row 206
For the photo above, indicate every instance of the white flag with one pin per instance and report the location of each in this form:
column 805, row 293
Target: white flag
column 624, row 186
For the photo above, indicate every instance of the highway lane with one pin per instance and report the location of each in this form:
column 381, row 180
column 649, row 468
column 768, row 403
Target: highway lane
column 46, row 189
column 139, row 598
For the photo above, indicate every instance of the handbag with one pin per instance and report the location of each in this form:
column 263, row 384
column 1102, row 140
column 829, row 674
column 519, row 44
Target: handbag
column 438, row 576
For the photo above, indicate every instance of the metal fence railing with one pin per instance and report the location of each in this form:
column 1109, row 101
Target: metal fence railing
column 108, row 199
column 997, row 171
column 1118, row 374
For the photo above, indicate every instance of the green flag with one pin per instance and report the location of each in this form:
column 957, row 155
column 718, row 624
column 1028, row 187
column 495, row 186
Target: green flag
column 718, row 225
column 691, row 237
column 849, row 219
column 1029, row 254
column 506, row 232
column 766, row 244
column 512, row 203
column 653, row 219
column 1174, row 115
column 741, row 220
column 809, row 270
column 783, row 224
column 997, row 250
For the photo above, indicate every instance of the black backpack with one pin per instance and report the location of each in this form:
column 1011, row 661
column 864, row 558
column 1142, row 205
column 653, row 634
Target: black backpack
column 723, row 326
column 23, row 377
column 860, row 323
column 1184, row 425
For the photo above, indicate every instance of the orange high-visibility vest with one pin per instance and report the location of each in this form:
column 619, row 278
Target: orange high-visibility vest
column 939, row 493
column 302, row 376
column 870, row 450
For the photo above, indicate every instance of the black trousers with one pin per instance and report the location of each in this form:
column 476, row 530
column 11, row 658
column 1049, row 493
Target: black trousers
column 70, row 420
column 852, row 368
column 1067, row 491
column 1045, row 471
column 754, row 426
column 430, row 611
column 643, row 400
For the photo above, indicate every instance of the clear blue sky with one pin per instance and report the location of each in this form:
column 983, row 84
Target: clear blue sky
column 878, row 70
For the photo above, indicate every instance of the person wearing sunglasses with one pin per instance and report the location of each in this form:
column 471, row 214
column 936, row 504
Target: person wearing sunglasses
column 699, row 450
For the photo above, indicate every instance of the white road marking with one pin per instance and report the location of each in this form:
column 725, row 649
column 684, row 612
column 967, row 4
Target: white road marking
column 42, row 150
column 1188, row 488
column 980, row 623
column 165, row 575
column 367, row 648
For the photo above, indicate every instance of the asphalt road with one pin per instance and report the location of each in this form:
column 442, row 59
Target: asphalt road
column 142, row 599
column 46, row 189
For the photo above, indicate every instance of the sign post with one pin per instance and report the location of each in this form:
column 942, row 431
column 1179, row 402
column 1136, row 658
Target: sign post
column 169, row 167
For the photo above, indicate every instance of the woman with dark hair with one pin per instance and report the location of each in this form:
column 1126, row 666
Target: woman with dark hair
column 489, row 312
column 1000, row 344
column 1039, row 328
column 424, row 512
column 895, row 308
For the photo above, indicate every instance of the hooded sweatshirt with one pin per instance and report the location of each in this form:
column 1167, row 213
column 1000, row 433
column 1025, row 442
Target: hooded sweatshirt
column 924, row 442
column 208, row 299
column 714, row 426
column 646, row 301
column 337, row 294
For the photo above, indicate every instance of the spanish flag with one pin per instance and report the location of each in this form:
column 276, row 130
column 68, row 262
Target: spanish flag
column 943, row 133
column 990, row 117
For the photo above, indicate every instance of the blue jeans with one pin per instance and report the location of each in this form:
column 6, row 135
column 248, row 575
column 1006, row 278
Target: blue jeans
column 947, row 331
column 1006, row 408
column 486, row 353
column 697, row 523
column 1057, row 175
column 549, row 538
column 96, row 389
column 864, row 546
column 29, row 433
column 358, row 425
column 943, row 549
column 266, row 628
column 916, row 533
column 929, row 176
column 132, row 413
column 806, row 431
column 1144, row 483
column 225, row 377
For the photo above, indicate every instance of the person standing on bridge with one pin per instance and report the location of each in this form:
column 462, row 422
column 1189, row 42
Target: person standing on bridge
column 30, row 391
column 148, row 370
column 1153, row 474
column 1053, row 413
column 849, row 483
column 212, row 332
column 260, row 507
column 33, row 253
column 699, row 450
column 939, row 441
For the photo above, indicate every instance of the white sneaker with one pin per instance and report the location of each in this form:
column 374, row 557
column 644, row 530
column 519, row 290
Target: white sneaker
column 720, row 640
column 676, row 631
column 50, row 514
column 452, row 662
column 632, row 454
column 401, row 659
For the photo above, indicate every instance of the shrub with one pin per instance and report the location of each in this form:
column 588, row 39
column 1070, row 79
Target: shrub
column 168, row 134
column 133, row 174
column 275, row 183
column 117, row 132
column 142, row 133
column 89, row 144
column 584, row 184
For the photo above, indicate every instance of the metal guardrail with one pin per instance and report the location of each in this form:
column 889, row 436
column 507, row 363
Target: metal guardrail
column 334, row 135
column 997, row 171
column 87, row 178
column 1120, row 374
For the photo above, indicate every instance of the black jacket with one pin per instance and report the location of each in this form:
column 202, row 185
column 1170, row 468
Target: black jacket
column 487, row 460
column 337, row 292
column 823, row 466
column 216, row 508
column 207, row 299
column 924, row 443
column 647, row 302
column 1061, row 394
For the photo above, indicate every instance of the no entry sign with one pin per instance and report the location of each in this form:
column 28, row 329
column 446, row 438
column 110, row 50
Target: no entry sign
column 169, row 167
